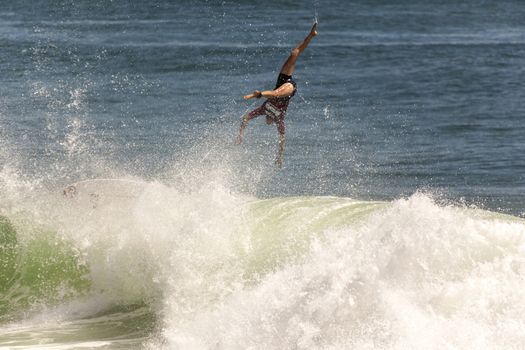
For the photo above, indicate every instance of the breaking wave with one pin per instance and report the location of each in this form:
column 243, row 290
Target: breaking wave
column 214, row 269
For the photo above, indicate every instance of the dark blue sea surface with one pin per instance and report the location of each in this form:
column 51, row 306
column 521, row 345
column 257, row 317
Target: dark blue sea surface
column 394, row 97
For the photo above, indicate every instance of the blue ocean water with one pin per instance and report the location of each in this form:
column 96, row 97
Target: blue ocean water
column 408, row 117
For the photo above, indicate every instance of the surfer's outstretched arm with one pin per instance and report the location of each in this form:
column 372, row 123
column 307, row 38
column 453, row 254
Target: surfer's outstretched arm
column 289, row 66
column 284, row 90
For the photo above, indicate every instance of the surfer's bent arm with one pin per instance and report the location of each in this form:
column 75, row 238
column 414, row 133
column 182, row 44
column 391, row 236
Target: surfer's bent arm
column 284, row 90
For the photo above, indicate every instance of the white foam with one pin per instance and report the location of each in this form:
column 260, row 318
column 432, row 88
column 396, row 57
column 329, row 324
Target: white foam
column 413, row 276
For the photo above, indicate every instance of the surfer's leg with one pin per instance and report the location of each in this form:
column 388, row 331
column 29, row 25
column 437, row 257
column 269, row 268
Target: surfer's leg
column 282, row 140
column 289, row 65
column 253, row 114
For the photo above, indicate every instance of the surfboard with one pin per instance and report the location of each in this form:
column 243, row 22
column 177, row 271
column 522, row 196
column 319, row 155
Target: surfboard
column 99, row 192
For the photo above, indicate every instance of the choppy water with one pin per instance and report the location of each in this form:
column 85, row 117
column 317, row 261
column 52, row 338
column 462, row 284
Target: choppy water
column 387, row 228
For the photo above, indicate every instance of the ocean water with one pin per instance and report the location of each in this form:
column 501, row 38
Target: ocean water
column 395, row 222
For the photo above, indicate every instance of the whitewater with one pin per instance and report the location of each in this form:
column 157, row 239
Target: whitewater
column 150, row 265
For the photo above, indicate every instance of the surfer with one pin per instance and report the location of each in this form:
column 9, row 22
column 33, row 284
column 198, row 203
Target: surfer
column 274, row 108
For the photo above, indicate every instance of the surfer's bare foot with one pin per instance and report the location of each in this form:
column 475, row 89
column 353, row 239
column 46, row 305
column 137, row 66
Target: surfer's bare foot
column 279, row 161
column 313, row 31
column 239, row 140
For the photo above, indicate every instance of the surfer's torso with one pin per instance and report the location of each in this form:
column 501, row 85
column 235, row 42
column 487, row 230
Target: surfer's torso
column 276, row 107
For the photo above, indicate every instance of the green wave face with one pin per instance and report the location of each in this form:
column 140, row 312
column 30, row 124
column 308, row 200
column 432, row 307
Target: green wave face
column 8, row 254
column 281, row 229
column 41, row 268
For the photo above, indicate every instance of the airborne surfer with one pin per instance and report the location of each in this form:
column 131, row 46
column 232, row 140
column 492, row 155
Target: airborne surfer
column 278, row 99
